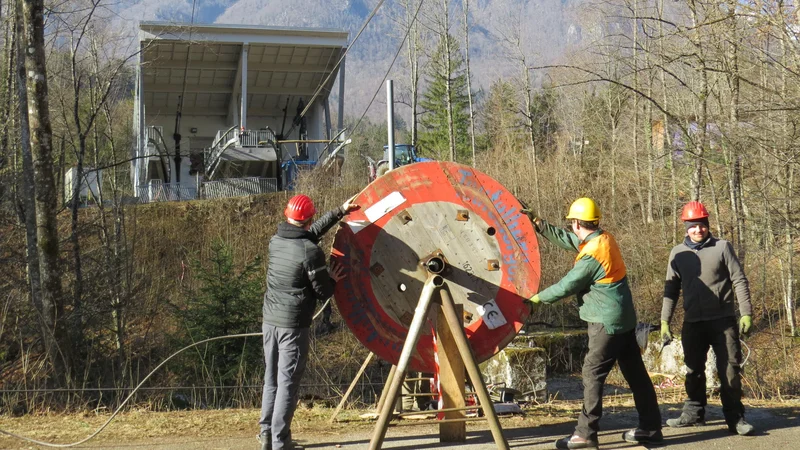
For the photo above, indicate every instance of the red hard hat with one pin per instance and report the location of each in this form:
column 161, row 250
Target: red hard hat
column 300, row 208
column 694, row 211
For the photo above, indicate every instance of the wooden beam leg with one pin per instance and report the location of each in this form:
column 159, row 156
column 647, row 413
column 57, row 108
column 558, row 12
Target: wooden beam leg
column 389, row 379
column 451, row 381
column 352, row 386
column 457, row 328
column 409, row 347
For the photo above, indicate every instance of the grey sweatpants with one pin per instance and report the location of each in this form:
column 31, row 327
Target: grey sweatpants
column 285, row 355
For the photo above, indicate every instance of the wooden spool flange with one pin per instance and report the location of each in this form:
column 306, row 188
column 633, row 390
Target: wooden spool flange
column 409, row 219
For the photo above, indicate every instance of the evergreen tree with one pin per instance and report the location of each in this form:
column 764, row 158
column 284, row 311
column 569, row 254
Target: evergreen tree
column 228, row 302
column 502, row 123
column 445, row 101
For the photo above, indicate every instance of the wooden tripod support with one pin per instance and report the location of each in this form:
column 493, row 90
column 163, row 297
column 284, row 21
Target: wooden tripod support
column 435, row 284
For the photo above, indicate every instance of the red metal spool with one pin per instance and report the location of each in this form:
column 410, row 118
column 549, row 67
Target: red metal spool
column 428, row 209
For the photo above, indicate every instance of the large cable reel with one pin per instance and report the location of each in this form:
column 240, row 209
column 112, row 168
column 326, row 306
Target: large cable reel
column 442, row 218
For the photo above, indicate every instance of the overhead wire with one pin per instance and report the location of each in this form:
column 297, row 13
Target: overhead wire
column 336, row 66
column 386, row 75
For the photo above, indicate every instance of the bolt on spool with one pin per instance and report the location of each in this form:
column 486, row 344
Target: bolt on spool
column 435, row 264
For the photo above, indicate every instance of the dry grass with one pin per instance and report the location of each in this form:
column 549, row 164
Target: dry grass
column 139, row 425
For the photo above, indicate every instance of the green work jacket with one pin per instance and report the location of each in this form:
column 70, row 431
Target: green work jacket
column 598, row 279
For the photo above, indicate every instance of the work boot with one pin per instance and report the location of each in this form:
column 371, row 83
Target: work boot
column 642, row 436
column 266, row 441
column 576, row 441
column 742, row 428
column 685, row 420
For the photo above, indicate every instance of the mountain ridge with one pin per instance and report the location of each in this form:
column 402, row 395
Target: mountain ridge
column 543, row 27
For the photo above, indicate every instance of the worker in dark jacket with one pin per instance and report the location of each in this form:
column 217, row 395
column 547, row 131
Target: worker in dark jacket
column 297, row 278
column 708, row 272
column 599, row 279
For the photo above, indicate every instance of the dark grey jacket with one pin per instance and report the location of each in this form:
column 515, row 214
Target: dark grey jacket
column 297, row 273
column 708, row 277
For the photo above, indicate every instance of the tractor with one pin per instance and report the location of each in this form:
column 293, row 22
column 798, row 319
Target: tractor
column 404, row 154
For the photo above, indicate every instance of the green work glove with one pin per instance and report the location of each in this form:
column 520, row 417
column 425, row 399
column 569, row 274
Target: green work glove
column 527, row 211
column 535, row 299
column 744, row 324
column 666, row 335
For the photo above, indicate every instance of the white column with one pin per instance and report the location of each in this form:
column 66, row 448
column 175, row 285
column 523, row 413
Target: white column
column 390, row 121
column 243, row 113
column 340, row 119
column 141, row 141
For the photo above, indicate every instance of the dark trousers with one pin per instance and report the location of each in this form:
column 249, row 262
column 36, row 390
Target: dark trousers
column 285, row 355
column 605, row 350
column 723, row 336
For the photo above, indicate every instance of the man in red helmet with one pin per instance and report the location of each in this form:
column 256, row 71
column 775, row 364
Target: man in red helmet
column 708, row 272
column 297, row 277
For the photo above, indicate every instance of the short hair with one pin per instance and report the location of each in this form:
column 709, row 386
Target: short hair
column 297, row 223
column 591, row 226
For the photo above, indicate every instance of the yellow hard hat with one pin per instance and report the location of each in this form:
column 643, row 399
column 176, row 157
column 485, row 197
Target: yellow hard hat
column 584, row 209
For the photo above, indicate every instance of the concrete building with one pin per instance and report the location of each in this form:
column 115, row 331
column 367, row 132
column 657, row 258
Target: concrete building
column 215, row 105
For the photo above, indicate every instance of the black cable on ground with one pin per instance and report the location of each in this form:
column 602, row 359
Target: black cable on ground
column 122, row 405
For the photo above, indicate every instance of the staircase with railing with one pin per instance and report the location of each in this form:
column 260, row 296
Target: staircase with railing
column 235, row 138
column 156, row 146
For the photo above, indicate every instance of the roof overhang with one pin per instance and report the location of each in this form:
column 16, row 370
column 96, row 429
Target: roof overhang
column 203, row 64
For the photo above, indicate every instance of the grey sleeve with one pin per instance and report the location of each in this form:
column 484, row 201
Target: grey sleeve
column 325, row 223
column 317, row 269
column 740, row 284
column 672, row 289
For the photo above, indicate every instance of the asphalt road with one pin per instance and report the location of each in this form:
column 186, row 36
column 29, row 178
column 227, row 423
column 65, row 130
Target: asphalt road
column 776, row 429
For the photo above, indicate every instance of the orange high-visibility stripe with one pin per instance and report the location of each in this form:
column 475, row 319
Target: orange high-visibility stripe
column 605, row 250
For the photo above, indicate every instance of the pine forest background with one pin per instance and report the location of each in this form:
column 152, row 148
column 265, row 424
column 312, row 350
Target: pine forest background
column 641, row 104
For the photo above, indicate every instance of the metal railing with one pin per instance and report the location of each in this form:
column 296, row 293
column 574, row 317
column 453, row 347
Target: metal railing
column 154, row 133
column 257, row 138
column 222, row 141
column 235, row 137
column 157, row 191
column 238, row 187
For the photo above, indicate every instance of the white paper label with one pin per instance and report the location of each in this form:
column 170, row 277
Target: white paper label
column 491, row 315
column 384, row 206
column 357, row 225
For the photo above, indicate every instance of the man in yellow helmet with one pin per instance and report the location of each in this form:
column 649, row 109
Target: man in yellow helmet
column 599, row 280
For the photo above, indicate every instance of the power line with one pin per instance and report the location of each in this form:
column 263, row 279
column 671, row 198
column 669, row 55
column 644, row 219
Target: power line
column 380, row 86
column 339, row 62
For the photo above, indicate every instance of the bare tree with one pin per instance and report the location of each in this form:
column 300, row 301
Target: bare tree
column 413, row 53
column 509, row 29
column 469, row 80
column 58, row 346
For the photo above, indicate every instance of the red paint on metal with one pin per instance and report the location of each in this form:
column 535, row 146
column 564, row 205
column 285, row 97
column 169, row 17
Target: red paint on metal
column 437, row 182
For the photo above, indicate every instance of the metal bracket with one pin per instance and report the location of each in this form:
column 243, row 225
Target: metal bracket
column 376, row 269
column 404, row 217
column 435, row 262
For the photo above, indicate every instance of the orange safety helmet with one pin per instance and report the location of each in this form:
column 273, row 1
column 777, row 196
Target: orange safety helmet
column 300, row 208
column 693, row 211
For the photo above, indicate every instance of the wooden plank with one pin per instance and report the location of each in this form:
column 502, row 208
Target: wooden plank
column 451, row 380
